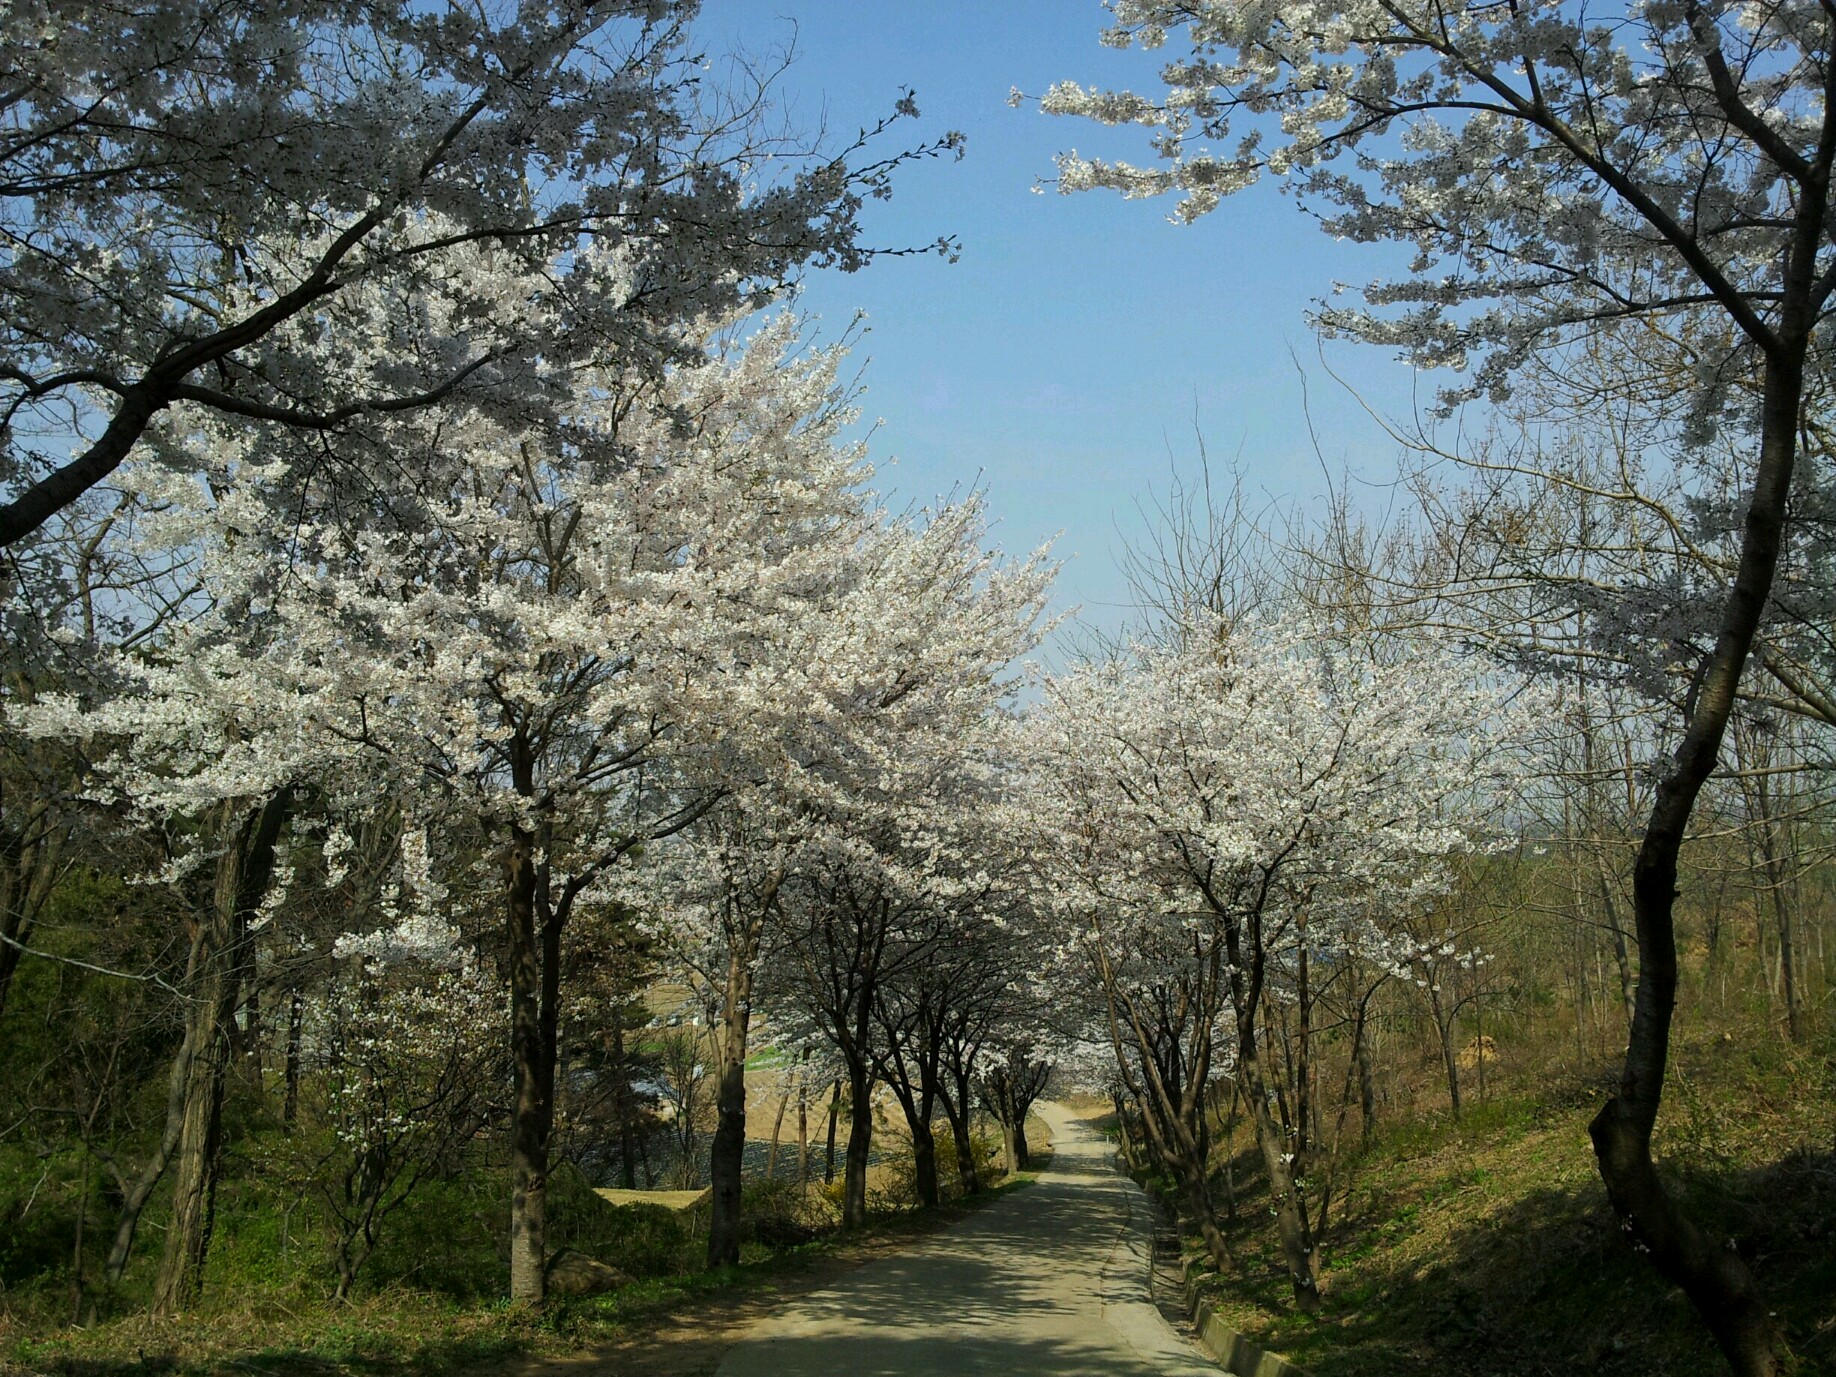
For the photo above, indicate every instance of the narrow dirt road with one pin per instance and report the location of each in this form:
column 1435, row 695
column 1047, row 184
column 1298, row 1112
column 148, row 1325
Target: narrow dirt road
column 1050, row 1280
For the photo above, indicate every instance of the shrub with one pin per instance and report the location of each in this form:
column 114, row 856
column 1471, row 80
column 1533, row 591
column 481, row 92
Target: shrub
column 776, row 1214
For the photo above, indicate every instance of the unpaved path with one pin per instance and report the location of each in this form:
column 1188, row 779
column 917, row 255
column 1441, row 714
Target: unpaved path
column 1049, row 1280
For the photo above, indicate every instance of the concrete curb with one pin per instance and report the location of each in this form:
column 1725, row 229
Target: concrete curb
column 1234, row 1352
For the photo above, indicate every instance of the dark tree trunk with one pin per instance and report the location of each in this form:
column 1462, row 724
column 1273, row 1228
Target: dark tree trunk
column 956, row 1110
column 860, row 1144
column 218, row 968
column 1710, row 1271
column 726, row 1165
column 727, row 1156
column 924, row 1164
column 531, row 1092
column 828, row 1161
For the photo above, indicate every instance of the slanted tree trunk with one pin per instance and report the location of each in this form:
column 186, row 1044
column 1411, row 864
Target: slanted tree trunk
column 1126, row 1139
column 1298, row 1248
column 1710, row 1272
column 1166, row 1127
column 217, row 969
column 135, row 1197
column 1256, row 1075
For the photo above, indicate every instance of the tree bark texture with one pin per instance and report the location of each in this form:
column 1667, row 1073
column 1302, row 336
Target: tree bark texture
column 727, row 1156
column 956, row 1110
column 218, row 970
column 860, row 1144
column 531, row 1097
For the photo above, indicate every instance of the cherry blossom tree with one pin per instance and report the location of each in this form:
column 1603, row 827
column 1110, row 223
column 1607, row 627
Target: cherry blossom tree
column 1235, row 816
column 556, row 646
column 888, row 682
column 1553, row 174
column 959, row 984
column 545, row 639
column 1010, row 1083
column 190, row 188
column 408, row 1068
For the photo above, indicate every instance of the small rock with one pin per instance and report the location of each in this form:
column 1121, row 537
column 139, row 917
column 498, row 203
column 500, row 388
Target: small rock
column 572, row 1273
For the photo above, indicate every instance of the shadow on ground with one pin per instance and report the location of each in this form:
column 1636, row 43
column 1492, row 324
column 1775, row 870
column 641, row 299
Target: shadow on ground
column 1547, row 1283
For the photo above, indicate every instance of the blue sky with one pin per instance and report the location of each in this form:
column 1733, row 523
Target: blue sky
column 1066, row 359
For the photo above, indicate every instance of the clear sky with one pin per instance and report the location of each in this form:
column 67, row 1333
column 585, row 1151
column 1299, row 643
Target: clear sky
column 1065, row 361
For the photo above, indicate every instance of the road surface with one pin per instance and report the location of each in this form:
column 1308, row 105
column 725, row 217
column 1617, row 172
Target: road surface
column 1051, row 1279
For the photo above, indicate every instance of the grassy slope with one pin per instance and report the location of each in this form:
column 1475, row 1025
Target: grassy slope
column 1488, row 1247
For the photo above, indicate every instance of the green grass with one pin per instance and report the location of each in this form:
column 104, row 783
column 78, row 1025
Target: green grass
column 1488, row 1247
column 432, row 1302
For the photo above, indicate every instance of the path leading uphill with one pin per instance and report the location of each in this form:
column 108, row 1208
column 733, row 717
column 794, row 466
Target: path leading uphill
column 1048, row 1280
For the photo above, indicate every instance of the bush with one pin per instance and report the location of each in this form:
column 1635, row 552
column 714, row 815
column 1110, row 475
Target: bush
column 450, row 1238
column 897, row 1187
column 776, row 1214
column 639, row 1240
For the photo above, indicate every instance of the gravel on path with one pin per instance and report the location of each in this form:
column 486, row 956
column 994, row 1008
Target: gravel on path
column 1052, row 1279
